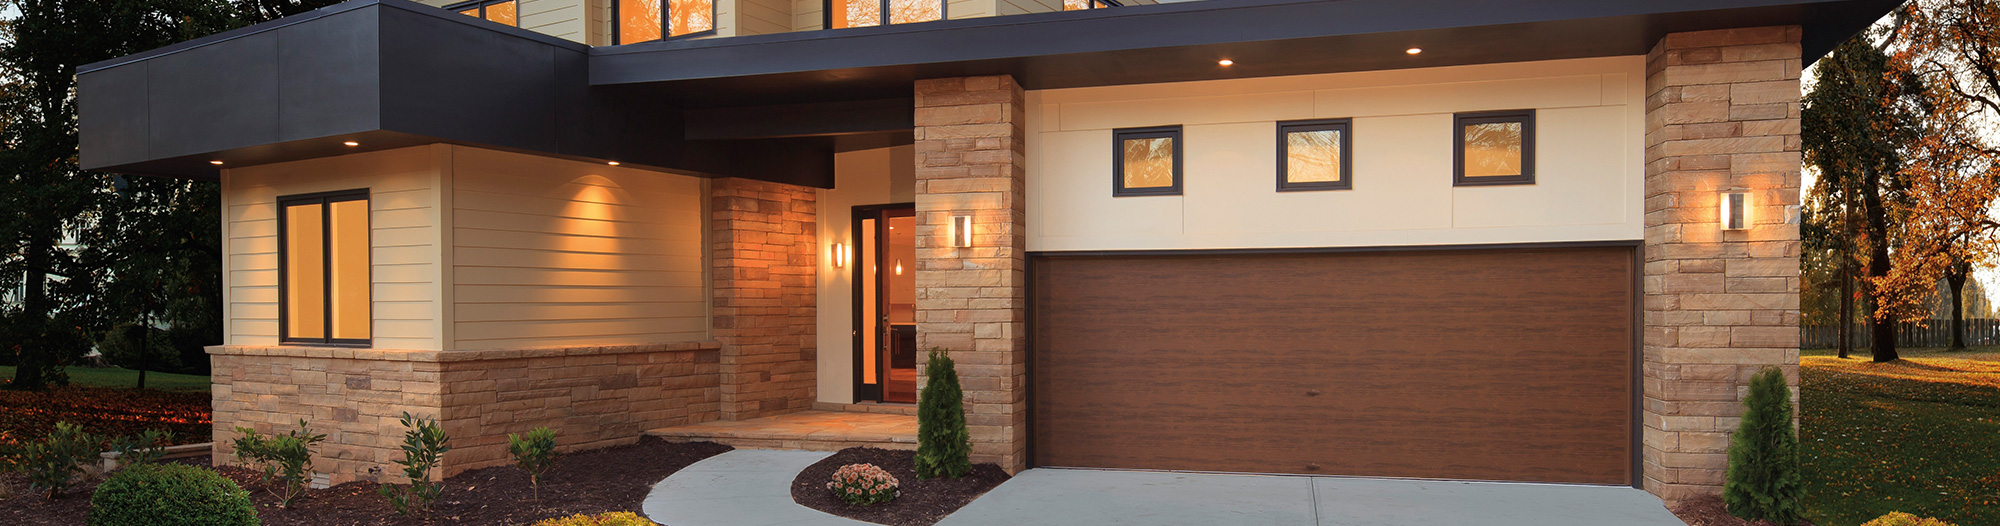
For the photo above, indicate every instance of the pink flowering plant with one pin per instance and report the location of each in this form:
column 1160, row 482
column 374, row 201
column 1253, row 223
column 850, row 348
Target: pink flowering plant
column 863, row 484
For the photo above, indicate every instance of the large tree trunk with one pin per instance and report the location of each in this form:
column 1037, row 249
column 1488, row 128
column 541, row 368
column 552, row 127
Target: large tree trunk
column 34, row 319
column 1846, row 271
column 1884, row 346
column 1956, row 278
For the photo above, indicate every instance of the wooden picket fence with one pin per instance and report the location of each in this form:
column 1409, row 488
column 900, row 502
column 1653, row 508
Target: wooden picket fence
column 1927, row 333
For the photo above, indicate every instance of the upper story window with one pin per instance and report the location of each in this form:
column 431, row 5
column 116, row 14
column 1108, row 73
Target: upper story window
column 323, row 268
column 1079, row 5
column 502, row 11
column 1493, row 148
column 643, row 20
column 1314, row 155
column 1148, row 161
column 865, row 13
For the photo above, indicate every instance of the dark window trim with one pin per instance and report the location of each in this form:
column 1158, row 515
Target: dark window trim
column 1458, row 123
column 1346, row 129
column 1118, row 138
column 861, row 391
column 326, row 263
column 1099, row 4
column 666, row 18
column 826, row 14
column 482, row 4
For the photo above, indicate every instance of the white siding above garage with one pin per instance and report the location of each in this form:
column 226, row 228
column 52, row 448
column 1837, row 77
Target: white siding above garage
column 1589, row 160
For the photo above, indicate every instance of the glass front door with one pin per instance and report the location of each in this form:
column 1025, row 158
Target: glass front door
column 885, row 306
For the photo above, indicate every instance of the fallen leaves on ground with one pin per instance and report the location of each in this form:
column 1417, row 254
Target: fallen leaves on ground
column 104, row 411
column 1918, row 435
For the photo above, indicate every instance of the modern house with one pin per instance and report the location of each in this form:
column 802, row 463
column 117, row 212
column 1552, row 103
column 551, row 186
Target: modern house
column 1540, row 240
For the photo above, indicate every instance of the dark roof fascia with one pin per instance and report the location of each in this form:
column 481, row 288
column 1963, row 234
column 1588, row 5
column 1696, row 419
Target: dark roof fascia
column 1176, row 25
column 323, row 12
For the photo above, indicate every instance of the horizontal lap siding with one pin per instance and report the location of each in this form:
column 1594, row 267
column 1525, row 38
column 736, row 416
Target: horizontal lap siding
column 404, row 254
column 554, row 252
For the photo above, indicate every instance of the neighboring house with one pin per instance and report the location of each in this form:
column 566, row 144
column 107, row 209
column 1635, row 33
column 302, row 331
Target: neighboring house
column 1459, row 239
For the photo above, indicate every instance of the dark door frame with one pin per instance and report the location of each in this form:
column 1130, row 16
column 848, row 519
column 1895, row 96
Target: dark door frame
column 862, row 391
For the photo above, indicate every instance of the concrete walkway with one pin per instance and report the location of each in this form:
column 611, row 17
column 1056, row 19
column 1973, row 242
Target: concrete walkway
column 753, row 487
column 749, row 487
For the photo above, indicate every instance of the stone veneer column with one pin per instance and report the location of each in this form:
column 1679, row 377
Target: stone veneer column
column 1722, row 111
column 971, row 160
column 764, row 242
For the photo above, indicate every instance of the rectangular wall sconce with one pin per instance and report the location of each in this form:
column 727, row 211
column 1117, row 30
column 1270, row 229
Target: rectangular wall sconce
column 961, row 231
column 1735, row 209
column 839, row 255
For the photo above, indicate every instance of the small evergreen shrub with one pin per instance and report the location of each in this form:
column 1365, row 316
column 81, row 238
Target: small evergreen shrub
column 535, row 454
column 944, row 446
column 424, row 446
column 863, row 485
column 170, row 495
column 286, row 459
column 616, row 518
column 53, row 463
column 1897, row 518
column 1764, row 480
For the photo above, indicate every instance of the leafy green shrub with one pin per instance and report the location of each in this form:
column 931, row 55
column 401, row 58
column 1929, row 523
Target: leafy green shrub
column 534, row 454
column 53, row 462
column 617, row 518
column 863, row 485
column 1764, row 480
column 285, row 459
column 424, row 445
column 944, row 446
column 146, row 448
column 1897, row 518
column 170, row 495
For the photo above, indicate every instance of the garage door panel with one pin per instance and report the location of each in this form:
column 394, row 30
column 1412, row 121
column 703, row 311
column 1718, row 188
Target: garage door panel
column 1500, row 365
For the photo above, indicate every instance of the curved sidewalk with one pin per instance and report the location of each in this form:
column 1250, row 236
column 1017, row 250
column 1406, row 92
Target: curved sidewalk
column 750, row 487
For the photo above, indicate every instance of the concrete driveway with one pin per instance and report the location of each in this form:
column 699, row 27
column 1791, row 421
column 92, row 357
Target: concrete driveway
column 1076, row 496
column 750, row 487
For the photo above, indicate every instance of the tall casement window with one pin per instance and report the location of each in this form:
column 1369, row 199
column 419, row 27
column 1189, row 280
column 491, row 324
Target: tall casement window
column 1080, row 5
column 644, row 20
column 502, row 11
column 1148, row 161
column 323, row 268
column 1494, row 148
column 1314, row 155
column 865, row 13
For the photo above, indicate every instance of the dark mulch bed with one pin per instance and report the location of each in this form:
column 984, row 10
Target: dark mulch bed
column 27, row 415
column 589, row 482
column 919, row 502
column 1710, row 511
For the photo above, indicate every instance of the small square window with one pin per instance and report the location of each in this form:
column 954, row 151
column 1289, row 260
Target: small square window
column 1494, row 148
column 1148, row 161
column 502, row 11
column 1315, row 155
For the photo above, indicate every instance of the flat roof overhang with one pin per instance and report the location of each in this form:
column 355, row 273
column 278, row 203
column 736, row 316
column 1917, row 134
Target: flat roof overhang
column 391, row 73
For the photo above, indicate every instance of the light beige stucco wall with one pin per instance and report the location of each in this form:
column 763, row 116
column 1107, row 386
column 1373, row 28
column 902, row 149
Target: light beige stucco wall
column 554, row 252
column 866, row 177
column 404, row 239
column 1589, row 164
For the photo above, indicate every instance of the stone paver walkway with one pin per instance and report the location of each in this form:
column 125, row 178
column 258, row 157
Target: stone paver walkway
column 753, row 488
column 804, row 430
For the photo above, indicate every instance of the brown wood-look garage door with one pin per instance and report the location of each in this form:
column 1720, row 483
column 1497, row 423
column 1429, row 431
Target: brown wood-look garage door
column 1454, row 364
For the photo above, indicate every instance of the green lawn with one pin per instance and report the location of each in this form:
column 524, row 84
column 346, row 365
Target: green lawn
column 108, row 377
column 1920, row 436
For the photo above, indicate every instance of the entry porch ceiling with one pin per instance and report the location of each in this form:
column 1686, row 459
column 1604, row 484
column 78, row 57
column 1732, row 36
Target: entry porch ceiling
column 391, row 73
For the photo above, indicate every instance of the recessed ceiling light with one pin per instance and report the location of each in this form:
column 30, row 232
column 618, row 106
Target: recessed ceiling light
column 1225, row 62
column 1414, row 50
column 215, row 162
column 613, row 163
column 351, row 143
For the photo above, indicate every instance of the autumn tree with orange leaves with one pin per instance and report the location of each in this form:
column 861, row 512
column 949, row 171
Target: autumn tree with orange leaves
column 1947, row 55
